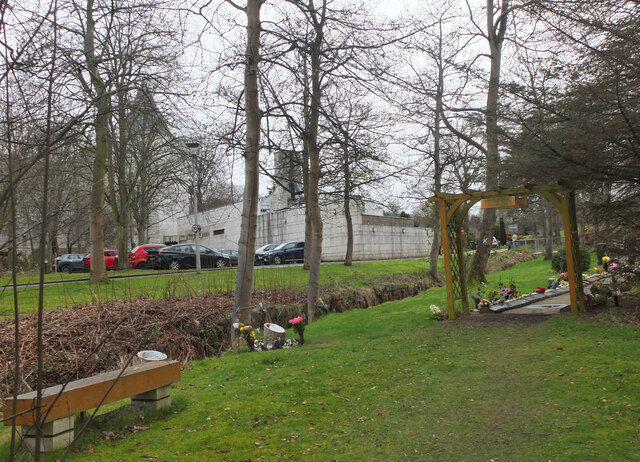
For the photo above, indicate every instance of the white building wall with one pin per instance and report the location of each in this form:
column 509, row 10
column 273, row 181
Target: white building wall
column 376, row 237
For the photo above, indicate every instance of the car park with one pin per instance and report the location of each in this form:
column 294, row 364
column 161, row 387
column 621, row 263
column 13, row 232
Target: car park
column 138, row 255
column 182, row 256
column 261, row 251
column 286, row 252
column 70, row 262
column 233, row 255
column 110, row 260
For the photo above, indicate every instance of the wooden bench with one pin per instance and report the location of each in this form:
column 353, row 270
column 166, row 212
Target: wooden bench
column 147, row 384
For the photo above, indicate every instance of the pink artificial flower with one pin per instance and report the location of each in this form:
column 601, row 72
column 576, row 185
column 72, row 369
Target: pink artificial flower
column 295, row 320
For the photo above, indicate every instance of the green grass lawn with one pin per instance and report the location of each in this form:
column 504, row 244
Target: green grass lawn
column 33, row 277
column 184, row 283
column 390, row 383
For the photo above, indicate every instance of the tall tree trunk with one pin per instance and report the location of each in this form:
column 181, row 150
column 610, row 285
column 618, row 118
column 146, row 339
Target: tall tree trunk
column 495, row 37
column 308, row 235
column 437, row 168
column 39, row 421
column 120, row 198
column 141, row 231
column 103, row 151
column 13, row 258
column 248, row 227
column 315, row 217
column 348, row 258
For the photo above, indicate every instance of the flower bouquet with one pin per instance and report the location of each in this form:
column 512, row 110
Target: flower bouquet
column 298, row 327
column 248, row 334
column 540, row 290
column 438, row 314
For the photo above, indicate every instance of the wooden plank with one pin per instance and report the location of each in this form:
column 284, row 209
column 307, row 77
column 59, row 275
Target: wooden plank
column 87, row 393
column 523, row 191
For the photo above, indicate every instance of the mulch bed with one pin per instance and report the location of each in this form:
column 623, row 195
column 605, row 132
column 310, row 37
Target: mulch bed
column 627, row 313
column 84, row 340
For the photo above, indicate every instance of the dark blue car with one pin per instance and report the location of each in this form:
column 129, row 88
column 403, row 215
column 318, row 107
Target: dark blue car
column 289, row 251
column 70, row 262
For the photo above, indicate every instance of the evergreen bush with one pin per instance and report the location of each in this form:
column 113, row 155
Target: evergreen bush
column 559, row 260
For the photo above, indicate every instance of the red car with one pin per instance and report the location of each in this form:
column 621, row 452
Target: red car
column 138, row 256
column 110, row 259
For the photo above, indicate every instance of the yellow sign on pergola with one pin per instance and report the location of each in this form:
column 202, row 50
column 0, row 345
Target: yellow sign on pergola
column 453, row 210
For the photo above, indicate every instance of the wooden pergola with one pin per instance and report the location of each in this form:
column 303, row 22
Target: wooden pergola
column 455, row 207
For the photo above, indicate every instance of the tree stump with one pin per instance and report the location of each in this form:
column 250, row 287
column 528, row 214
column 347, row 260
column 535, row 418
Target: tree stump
column 273, row 331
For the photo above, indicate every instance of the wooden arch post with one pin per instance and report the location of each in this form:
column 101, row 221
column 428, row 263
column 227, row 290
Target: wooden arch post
column 454, row 208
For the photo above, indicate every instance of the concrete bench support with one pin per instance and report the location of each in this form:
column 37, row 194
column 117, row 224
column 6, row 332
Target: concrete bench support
column 153, row 400
column 56, row 434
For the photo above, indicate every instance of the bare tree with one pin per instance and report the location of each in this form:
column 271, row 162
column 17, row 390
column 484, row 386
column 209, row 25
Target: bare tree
column 248, row 229
column 314, row 47
column 102, row 102
column 356, row 157
column 496, row 28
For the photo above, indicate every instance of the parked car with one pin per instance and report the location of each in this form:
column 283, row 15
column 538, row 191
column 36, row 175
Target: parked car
column 233, row 255
column 289, row 251
column 180, row 256
column 110, row 259
column 70, row 262
column 261, row 251
column 138, row 256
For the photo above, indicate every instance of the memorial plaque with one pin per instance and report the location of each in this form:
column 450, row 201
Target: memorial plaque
column 503, row 202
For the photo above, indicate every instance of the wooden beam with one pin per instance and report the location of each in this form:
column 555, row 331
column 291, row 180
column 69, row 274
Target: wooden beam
column 524, row 191
column 447, row 259
column 81, row 395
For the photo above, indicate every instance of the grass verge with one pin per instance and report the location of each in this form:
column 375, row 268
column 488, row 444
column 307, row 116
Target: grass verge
column 390, row 383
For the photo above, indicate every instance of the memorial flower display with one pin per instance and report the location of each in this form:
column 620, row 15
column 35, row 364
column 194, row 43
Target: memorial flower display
column 298, row 327
column 438, row 314
column 248, row 334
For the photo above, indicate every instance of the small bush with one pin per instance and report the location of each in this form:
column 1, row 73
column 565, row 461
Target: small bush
column 600, row 289
column 598, row 300
column 559, row 260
